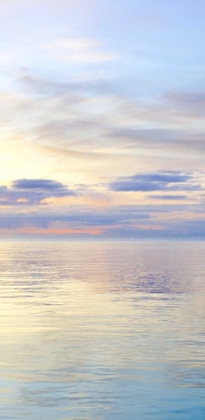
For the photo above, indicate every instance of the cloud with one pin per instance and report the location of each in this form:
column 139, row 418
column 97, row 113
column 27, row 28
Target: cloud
column 193, row 229
column 89, row 114
column 158, row 181
column 193, row 103
column 117, row 224
column 75, row 217
column 33, row 192
column 168, row 197
column 139, row 221
column 43, row 87
column 171, row 141
column 79, row 51
column 39, row 185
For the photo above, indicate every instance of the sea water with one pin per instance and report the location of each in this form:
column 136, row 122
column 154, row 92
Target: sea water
column 102, row 330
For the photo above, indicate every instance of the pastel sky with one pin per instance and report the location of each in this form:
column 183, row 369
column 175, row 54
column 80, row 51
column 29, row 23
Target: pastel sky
column 102, row 118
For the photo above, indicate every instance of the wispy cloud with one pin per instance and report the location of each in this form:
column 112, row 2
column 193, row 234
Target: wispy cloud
column 79, row 51
column 95, row 114
column 191, row 103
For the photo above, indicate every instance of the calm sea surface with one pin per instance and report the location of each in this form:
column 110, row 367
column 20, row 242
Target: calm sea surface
column 102, row 330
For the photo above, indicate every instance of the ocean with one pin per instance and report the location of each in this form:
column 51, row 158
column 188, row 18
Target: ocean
column 102, row 330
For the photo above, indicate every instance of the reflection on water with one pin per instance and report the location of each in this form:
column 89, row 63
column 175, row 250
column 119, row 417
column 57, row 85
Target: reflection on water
column 94, row 330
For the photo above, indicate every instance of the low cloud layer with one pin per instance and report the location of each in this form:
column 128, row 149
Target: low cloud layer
column 122, row 222
column 181, row 212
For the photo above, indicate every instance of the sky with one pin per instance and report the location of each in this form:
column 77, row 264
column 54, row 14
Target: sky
column 102, row 128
